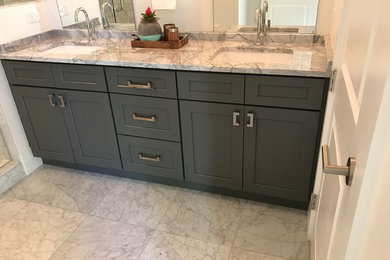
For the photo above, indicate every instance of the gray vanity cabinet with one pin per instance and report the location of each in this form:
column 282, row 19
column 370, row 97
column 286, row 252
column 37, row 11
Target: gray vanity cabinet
column 255, row 136
column 29, row 73
column 151, row 157
column 44, row 123
column 212, row 143
column 79, row 77
column 69, row 126
column 279, row 151
column 91, row 128
column 146, row 116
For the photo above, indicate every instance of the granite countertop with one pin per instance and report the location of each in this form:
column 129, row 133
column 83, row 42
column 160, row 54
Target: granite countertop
column 297, row 55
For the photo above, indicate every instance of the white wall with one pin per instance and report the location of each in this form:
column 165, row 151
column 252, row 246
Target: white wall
column 68, row 7
column 13, row 26
column 328, row 19
column 229, row 16
column 13, row 19
column 186, row 15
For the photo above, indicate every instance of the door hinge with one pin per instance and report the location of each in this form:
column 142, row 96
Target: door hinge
column 313, row 202
column 332, row 80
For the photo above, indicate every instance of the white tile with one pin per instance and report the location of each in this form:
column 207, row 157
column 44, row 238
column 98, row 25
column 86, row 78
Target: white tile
column 36, row 231
column 242, row 254
column 73, row 190
column 98, row 238
column 272, row 230
column 136, row 202
column 203, row 216
column 9, row 207
column 30, row 186
column 174, row 247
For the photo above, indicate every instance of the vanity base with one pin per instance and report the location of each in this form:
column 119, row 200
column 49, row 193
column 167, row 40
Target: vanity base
column 182, row 184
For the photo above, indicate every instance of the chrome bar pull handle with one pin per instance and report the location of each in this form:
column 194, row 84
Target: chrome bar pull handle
column 346, row 171
column 52, row 104
column 148, row 158
column 251, row 117
column 235, row 118
column 147, row 119
column 62, row 101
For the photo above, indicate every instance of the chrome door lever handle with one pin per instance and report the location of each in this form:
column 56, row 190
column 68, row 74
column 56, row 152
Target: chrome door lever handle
column 346, row 171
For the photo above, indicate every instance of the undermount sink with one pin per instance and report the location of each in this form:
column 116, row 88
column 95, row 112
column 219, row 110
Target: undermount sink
column 72, row 49
column 254, row 55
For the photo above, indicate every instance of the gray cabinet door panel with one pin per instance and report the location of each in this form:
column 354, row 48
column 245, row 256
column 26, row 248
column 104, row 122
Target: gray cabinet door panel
column 294, row 92
column 279, row 152
column 146, row 116
column 79, row 77
column 212, row 146
column 217, row 87
column 151, row 157
column 162, row 83
column 91, row 127
column 28, row 73
column 44, row 125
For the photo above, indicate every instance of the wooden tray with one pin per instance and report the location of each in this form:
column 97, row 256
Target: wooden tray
column 162, row 43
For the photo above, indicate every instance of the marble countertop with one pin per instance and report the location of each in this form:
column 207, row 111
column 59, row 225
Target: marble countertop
column 303, row 55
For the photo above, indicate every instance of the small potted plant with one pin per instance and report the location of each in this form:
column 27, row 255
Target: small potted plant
column 149, row 29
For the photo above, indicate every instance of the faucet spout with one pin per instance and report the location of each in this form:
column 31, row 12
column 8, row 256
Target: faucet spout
column 105, row 20
column 90, row 28
column 263, row 17
column 262, row 27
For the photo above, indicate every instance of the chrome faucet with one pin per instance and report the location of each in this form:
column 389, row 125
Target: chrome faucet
column 90, row 27
column 262, row 28
column 105, row 20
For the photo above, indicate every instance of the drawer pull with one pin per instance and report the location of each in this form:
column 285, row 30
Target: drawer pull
column 147, row 158
column 235, row 118
column 139, row 86
column 52, row 104
column 251, row 117
column 62, row 101
column 147, row 119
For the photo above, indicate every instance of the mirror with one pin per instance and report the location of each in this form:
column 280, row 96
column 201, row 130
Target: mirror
column 121, row 18
column 285, row 15
column 11, row 2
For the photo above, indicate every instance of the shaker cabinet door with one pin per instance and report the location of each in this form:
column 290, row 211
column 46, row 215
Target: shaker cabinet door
column 212, row 144
column 44, row 123
column 279, row 152
column 91, row 128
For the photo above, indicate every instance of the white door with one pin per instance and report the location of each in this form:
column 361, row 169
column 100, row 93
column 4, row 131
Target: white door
column 292, row 12
column 362, row 61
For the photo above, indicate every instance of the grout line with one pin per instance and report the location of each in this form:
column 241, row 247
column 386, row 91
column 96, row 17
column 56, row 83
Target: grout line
column 146, row 243
column 66, row 239
column 11, row 217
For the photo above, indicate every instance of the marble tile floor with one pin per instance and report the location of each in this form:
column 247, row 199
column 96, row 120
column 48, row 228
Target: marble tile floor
column 57, row 213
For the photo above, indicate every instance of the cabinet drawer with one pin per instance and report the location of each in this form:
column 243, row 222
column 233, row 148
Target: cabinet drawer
column 291, row 92
column 151, row 157
column 146, row 82
column 79, row 77
column 29, row 73
column 211, row 87
column 146, row 116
